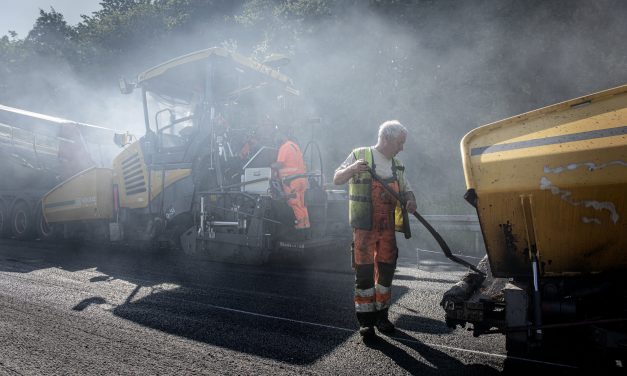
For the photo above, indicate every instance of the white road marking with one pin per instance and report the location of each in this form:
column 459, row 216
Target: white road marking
column 428, row 344
column 440, row 252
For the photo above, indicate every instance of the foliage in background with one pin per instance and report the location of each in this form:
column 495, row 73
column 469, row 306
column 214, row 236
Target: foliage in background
column 441, row 67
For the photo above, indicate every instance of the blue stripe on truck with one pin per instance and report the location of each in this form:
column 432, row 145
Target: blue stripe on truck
column 610, row 132
column 61, row 203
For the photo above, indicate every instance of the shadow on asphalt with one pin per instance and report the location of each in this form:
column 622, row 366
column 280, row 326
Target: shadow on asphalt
column 416, row 323
column 275, row 331
column 266, row 311
column 405, row 277
column 87, row 302
column 435, row 362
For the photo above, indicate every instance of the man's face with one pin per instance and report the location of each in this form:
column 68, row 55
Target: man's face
column 396, row 143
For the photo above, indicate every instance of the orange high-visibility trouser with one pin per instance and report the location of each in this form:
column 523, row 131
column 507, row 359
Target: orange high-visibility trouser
column 375, row 255
column 296, row 200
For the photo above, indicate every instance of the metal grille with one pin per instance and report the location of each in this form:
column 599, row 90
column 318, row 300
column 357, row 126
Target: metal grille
column 133, row 173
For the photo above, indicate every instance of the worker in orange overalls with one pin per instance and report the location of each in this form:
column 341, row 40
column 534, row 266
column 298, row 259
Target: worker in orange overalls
column 375, row 215
column 289, row 163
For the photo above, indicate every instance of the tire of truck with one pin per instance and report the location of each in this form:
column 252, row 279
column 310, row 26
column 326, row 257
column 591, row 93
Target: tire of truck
column 44, row 230
column 22, row 221
column 4, row 220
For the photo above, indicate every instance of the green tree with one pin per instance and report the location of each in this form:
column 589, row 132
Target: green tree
column 51, row 36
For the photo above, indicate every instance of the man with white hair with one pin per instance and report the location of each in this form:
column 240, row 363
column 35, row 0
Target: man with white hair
column 375, row 215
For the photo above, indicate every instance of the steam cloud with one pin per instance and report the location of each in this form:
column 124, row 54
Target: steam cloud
column 445, row 68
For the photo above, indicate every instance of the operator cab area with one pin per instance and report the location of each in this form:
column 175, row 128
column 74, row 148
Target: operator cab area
column 212, row 118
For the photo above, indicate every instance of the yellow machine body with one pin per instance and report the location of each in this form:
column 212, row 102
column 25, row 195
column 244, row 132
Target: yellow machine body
column 89, row 194
column 134, row 182
column 85, row 196
column 553, row 181
column 131, row 175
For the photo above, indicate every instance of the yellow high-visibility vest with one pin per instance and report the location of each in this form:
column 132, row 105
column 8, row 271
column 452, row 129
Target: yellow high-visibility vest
column 360, row 193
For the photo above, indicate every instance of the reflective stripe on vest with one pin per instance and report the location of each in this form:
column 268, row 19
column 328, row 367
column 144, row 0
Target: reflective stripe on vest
column 360, row 195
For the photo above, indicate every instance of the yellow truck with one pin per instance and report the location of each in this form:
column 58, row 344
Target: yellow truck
column 550, row 190
column 38, row 152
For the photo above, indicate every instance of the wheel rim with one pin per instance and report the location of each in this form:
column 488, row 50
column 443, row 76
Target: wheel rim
column 44, row 228
column 20, row 222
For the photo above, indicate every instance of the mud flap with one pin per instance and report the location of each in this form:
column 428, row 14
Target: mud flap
column 516, row 315
column 115, row 232
column 188, row 241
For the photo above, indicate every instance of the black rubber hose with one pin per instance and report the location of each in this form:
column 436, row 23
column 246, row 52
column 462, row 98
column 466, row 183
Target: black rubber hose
column 444, row 246
column 438, row 238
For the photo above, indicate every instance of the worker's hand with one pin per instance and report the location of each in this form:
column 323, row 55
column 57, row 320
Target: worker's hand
column 359, row 166
column 411, row 206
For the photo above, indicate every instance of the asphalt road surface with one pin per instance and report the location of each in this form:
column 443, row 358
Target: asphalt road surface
column 93, row 310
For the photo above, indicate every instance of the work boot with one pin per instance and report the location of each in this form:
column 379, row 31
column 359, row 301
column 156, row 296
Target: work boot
column 384, row 325
column 367, row 333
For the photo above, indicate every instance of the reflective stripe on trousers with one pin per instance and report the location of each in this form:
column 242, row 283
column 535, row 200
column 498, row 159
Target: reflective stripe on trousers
column 383, row 297
column 365, row 300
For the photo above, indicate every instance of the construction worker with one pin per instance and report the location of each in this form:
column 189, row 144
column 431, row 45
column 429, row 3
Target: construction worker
column 261, row 135
column 375, row 215
column 289, row 164
column 250, row 147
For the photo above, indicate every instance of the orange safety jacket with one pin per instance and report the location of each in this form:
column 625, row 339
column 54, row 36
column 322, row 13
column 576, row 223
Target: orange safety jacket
column 292, row 163
column 291, row 159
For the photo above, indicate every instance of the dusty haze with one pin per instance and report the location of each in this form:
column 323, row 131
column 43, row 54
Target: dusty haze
column 442, row 69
